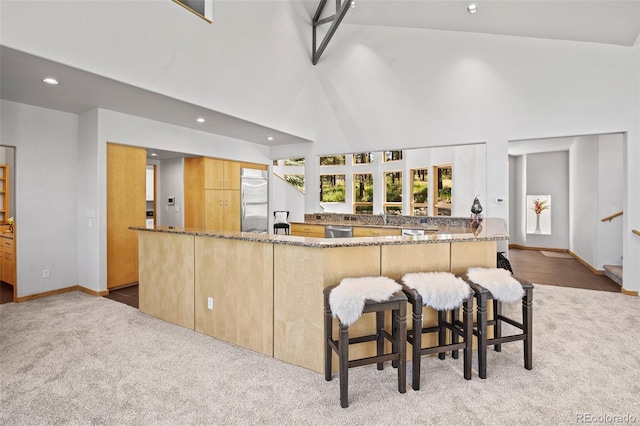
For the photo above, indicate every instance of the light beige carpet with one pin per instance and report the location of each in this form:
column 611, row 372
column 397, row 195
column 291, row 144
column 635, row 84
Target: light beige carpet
column 73, row 359
column 557, row 254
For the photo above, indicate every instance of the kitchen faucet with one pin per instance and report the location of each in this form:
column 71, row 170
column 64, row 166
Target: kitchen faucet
column 384, row 217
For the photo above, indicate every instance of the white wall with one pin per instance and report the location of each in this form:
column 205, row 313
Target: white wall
column 584, row 198
column 46, row 144
column 518, row 199
column 375, row 88
column 610, row 197
column 171, row 178
column 548, row 174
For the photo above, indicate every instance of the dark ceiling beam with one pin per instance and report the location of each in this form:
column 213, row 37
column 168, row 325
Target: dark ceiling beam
column 341, row 11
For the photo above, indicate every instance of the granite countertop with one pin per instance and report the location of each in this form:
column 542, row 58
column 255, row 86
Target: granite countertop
column 489, row 230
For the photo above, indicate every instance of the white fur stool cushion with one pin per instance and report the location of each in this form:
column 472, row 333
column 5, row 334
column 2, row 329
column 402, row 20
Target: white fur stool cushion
column 347, row 299
column 499, row 282
column 442, row 291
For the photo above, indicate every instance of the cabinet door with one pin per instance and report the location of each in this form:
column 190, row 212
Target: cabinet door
column 232, row 210
column 214, row 173
column 232, row 175
column 214, row 209
column 8, row 267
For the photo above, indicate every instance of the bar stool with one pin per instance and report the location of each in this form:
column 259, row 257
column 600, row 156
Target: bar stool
column 348, row 301
column 501, row 286
column 443, row 292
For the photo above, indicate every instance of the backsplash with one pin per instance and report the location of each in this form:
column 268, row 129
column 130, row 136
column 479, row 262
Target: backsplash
column 392, row 220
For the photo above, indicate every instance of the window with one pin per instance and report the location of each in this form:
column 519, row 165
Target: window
column 392, row 155
column 202, row 8
column 442, row 190
column 333, row 160
column 420, row 192
column 393, row 192
column 296, row 180
column 332, row 188
column 363, row 158
column 363, row 193
column 294, row 161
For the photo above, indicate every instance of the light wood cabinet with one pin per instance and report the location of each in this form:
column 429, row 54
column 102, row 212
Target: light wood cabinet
column 375, row 232
column 306, row 230
column 212, row 193
column 241, row 292
column 7, row 260
column 4, row 193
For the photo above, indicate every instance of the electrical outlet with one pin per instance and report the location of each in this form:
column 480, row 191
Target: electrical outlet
column 45, row 273
column 210, row 303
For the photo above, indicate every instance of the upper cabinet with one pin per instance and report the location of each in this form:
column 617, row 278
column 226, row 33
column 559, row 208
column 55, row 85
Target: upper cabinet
column 221, row 174
column 212, row 193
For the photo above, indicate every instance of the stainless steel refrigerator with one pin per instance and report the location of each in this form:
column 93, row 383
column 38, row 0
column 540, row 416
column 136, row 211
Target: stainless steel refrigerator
column 254, row 200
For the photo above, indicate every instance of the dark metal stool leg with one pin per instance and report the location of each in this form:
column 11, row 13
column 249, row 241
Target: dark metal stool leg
column 455, row 316
column 400, row 340
column 343, row 356
column 497, row 327
column 442, row 332
column 467, row 321
column 417, row 344
column 328, row 332
column 527, row 322
column 380, row 337
column 482, row 334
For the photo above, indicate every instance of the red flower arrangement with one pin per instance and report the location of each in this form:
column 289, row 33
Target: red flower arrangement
column 540, row 206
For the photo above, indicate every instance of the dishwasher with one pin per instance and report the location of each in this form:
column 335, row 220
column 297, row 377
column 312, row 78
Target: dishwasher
column 335, row 231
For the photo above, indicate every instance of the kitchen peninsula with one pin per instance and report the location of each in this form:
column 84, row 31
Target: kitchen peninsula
column 264, row 292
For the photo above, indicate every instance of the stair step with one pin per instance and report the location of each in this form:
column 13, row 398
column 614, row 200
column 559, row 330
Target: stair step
column 614, row 272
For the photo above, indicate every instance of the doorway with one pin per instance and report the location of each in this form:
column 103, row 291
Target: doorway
column 8, row 225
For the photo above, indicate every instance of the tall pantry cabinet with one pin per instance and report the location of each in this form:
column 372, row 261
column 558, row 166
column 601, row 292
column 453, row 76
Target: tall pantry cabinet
column 212, row 193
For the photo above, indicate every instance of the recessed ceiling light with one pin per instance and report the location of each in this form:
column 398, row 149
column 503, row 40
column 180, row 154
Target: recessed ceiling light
column 50, row 80
column 353, row 3
column 153, row 154
column 270, row 138
column 473, row 8
column 200, row 120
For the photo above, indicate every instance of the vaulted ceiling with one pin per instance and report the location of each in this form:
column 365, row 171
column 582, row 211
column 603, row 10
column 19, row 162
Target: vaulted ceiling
column 611, row 22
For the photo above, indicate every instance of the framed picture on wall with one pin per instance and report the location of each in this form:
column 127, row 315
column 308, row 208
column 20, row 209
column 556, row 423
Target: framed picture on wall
column 539, row 214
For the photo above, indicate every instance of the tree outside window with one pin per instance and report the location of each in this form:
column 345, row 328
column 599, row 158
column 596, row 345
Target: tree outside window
column 332, row 188
column 296, row 180
column 333, row 160
column 363, row 193
column 420, row 192
column 363, row 158
column 393, row 192
column 392, row 155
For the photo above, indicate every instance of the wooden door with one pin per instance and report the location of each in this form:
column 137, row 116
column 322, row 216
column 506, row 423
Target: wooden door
column 126, row 206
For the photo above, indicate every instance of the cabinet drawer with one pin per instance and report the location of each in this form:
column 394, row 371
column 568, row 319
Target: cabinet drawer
column 375, row 232
column 304, row 230
column 7, row 242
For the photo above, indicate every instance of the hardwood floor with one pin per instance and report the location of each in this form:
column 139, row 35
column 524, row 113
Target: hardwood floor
column 6, row 292
column 539, row 269
column 126, row 295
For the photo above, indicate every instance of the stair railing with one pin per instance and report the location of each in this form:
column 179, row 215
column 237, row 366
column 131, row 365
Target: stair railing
column 613, row 216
